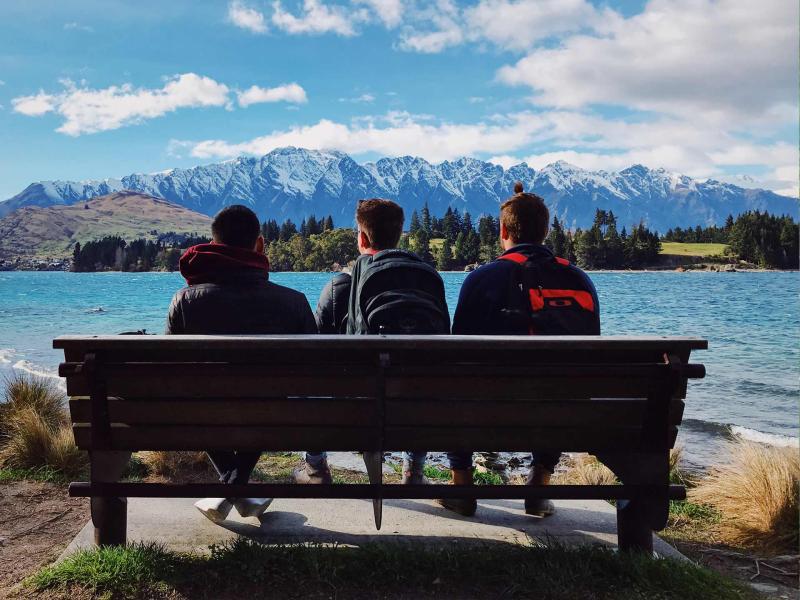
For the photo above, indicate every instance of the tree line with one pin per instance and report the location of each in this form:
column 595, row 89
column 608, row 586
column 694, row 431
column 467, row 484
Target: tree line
column 114, row 253
column 454, row 241
column 757, row 237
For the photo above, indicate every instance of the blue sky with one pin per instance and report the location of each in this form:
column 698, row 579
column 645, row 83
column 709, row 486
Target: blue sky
column 103, row 88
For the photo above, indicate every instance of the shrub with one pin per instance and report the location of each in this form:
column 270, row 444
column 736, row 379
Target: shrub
column 756, row 494
column 176, row 465
column 38, row 393
column 35, row 428
column 584, row 469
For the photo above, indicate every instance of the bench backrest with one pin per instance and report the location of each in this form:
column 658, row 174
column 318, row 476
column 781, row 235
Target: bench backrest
column 590, row 394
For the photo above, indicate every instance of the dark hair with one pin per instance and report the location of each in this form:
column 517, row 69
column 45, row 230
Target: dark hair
column 236, row 225
column 382, row 221
column 525, row 217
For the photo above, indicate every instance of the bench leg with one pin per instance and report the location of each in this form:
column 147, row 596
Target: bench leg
column 634, row 533
column 109, row 515
column 374, row 463
column 110, row 520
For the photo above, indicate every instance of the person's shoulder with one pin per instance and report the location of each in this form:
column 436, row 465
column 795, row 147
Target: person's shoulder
column 341, row 279
column 284, row 292
column 490, row 270
column 575, row 271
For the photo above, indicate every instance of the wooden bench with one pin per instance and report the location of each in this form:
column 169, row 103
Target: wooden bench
column 620, row 398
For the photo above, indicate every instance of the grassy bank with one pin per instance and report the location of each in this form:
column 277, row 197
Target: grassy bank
column 688, row 249
column 247, row 569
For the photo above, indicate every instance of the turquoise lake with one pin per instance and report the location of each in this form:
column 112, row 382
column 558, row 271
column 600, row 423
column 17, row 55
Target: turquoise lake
column 751, row 320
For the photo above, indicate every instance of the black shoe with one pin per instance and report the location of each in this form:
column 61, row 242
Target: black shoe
column 462, row 506
column 539, row 507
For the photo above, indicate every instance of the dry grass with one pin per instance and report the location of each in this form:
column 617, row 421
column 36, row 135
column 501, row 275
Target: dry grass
column 35, row 428
column 177, row 465
column 584, row 469
column 757, row 494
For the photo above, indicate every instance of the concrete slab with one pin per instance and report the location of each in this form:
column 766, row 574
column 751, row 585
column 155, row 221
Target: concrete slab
column 178, row 525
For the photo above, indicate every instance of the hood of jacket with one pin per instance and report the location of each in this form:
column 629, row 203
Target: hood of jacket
column 211, row 263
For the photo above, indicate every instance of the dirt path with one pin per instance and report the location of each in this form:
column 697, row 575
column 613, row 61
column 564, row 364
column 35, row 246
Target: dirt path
column 37, row 521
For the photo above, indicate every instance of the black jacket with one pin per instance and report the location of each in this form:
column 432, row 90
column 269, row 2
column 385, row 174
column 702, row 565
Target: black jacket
column 231, row 295
column 331, row 315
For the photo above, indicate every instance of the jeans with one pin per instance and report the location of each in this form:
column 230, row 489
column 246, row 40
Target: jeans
column 234, row 467
column 412, row 461
column 463, row 460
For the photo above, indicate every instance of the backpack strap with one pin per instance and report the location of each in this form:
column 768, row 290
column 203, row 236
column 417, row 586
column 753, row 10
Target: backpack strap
column 517, row 257
column 514, row 257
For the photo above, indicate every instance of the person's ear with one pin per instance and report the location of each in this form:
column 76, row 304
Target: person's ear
column 503, row 231
column 259, row 245
column 364, row 242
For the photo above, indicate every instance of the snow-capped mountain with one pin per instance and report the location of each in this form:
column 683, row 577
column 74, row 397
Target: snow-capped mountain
column 294, row 183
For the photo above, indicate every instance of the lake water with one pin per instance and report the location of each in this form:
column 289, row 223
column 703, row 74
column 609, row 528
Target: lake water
column 751, row 320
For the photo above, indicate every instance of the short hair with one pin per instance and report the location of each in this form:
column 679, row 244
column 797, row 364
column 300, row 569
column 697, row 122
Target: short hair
column 382, row 221
column 236, row 225
column 525, row 217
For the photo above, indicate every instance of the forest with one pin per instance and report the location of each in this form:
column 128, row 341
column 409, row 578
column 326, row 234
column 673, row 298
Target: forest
column 454, row 241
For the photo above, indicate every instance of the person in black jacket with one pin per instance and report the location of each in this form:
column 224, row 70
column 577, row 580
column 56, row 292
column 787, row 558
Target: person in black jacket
column 404, row 295
column 526, row 291
column 229, row 292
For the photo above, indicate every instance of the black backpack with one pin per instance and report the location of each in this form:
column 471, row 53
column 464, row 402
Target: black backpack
column 550, row 298
column 398, row 293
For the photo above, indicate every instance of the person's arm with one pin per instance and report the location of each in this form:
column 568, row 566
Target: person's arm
column 324, row 314
column 467, row 315
column 175, row 322
column 307, row 322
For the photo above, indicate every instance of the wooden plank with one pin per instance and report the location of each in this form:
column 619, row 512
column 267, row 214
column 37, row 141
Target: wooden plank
column 516, row 387
column 571, row 412
column 513, row 439
column 366, row 491
column 178, row 437
column 382, row 343
column 240, row 411
column 213, row 385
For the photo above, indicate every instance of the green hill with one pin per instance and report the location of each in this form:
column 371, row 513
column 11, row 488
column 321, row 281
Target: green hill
column 50, row 233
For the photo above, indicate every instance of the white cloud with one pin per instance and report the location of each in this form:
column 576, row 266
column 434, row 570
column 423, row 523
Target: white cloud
column 2, row 82
column 445, row 17
column 390, row 12
column 724, row 60
column 245, row 17
column 289, row 92
column 87, row 110
column 504, row 160
column 363, row 98
column 316, row 18
column 75, row 26
column 519, row 24
column 35, row 106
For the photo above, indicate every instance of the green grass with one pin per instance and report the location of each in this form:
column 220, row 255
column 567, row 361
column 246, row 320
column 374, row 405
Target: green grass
column 243, row 568
column 44, row 474
column 682, row 249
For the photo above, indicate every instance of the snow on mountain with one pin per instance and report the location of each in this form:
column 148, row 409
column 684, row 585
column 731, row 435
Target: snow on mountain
column 295, row 182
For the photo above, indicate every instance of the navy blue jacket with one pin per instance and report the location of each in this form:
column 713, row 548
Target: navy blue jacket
column 488, row 290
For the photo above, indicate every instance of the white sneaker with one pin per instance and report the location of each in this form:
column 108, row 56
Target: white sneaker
column 252, row 507
column 215, row 509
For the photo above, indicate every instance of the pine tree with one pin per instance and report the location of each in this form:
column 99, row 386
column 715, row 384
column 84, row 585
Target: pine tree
column 415, row 225
column 327, row 225
column 444, row 257
column 427, row 225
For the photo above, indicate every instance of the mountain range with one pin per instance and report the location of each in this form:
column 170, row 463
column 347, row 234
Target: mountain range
column 295, row 182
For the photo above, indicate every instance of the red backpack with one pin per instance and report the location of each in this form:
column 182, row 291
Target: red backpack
column 551, row 297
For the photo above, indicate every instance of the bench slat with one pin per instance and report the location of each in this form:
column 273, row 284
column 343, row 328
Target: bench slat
column 517, row 387
column 242, row 411
column 212, row 385
column 515, row 439
column 489, row 412
column 179, row 437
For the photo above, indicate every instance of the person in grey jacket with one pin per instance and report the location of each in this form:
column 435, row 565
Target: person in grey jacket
column 228, row 292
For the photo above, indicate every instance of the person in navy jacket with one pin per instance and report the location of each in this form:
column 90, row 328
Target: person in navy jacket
column 527, row 290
